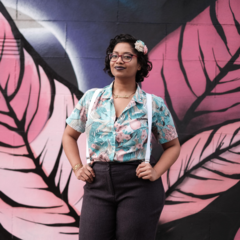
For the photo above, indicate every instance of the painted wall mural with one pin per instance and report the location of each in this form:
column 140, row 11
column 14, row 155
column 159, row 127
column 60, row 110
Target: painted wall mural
column 196, row 69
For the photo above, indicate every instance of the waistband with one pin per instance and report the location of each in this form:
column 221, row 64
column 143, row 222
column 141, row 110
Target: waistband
column 115, row 166
column 118, row 162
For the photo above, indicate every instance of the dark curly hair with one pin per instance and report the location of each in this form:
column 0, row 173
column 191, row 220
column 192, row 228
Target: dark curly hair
column 146, row 65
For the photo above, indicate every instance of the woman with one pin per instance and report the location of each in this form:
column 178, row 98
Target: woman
column 123, row 194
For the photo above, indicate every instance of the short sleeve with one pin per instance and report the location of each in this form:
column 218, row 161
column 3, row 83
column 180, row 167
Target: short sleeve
column 78, row 118
column 163, row 126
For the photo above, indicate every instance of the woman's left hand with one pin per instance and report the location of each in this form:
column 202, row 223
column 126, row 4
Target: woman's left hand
column 146, row 171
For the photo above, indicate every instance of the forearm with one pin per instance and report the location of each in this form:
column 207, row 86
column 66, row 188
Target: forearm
column 71, row 150
column 168, row 157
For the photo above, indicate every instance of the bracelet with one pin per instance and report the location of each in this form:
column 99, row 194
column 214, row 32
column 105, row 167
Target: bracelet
column 77, row 166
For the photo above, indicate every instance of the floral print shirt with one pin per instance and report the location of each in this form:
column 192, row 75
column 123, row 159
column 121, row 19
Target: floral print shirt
column 126, row 138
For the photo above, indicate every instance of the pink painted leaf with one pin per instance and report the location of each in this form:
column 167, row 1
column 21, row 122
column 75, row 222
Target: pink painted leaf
column 40, row 198
column 196, row 68
column 208, row 165
column 237, row 236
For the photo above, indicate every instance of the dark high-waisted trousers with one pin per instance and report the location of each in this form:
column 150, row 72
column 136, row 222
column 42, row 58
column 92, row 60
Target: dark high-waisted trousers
column 119, row 205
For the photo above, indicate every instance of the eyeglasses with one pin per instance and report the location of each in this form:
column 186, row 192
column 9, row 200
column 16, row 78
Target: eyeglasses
column 126, row 57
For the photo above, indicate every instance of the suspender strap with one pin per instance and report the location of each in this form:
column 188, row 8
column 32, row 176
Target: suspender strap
column 149, row 113
column 89, row 111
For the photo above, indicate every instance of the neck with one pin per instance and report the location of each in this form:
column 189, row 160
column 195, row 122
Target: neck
column 124, row 87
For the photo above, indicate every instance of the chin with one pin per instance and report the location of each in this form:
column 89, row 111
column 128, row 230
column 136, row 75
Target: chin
column 123, row 77
column 119, row 75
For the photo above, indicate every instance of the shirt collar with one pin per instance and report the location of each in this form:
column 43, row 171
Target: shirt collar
column 138, row 96
column 107, row 91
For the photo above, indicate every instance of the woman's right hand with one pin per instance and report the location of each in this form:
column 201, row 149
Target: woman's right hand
column 85, row 173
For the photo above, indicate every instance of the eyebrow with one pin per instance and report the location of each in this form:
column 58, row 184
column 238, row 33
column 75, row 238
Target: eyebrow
column 123, row 53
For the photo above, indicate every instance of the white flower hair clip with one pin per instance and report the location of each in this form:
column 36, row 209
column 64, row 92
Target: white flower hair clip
column 141, row 46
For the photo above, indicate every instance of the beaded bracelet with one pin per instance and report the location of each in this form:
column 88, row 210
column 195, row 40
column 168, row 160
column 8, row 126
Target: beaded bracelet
column 77, row 166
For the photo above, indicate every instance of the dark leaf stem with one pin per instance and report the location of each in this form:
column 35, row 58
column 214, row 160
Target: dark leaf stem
column 203, row 196
column 217, row 25
column 233, row 80
column 168, row 98
column 199, row 113
column 180, row 59
column 3, row 44
column 13, row 203
column 235, row 20
column 202, row 61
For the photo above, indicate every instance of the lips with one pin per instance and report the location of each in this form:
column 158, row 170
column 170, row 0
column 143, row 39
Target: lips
column 119, row 68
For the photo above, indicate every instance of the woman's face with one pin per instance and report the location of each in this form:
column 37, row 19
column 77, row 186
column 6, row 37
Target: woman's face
column 121, row 69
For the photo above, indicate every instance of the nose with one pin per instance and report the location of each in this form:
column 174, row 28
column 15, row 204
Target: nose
column 119, row 57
